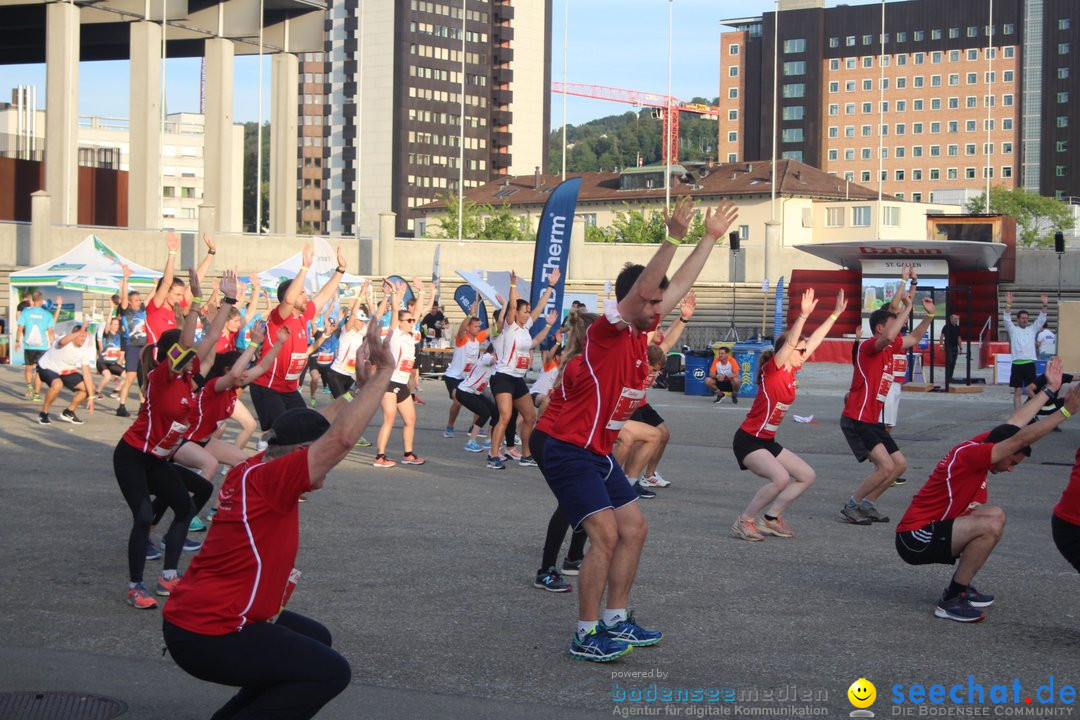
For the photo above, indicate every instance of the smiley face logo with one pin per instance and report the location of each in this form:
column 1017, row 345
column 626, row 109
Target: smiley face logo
column 862, row 693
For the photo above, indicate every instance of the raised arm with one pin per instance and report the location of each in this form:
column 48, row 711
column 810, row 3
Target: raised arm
column 460, row 334
column 675, row 330
column 208, row 345
column 552, row 318
column 237, row 373
column 423, row 301
column 1041, row 320
column 913, row 338
column 59, row 306
column 893, row 327
column 172, row 241
column 124, row 287
column 541, row 303
column 329, row 291
column 204, row 264
column 1006, row 315
column 1054, row 380
column 716, row 225
column 511, row 302
column 395, row 304
column 1033, row 432
column 806, row 307
column 253, row 304
column 267, row 361
column 284, row 308
column 815, row 339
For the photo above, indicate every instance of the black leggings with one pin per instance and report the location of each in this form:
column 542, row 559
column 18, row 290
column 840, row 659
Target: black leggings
column 338, row 383
column 558, row 524
column 141, row 475
column 1067, row 539
column 480, row 405
column 284, row 669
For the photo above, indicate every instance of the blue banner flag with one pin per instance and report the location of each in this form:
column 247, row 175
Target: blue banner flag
column 778, row 312
column 553, row 243
column 465, row 296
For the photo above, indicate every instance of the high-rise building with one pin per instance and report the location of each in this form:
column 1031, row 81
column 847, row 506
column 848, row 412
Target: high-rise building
column 400, row 84
column 950, row 95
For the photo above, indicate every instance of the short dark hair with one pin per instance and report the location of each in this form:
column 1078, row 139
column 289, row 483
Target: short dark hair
column 1021, row 312
column 628, row 276
column 880, row 317
column 521, row 302
column 1004, row 432
column 282, row 289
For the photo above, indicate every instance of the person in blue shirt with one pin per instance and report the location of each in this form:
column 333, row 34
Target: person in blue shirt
column 35, row 326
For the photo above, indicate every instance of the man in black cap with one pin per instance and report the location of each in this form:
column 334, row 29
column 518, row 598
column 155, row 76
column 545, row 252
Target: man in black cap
column 226, row 620
column 948, row 519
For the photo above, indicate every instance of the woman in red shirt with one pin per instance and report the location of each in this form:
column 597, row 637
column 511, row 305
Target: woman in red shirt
column 141, row 459
column 1065, row 522
column 755, row 445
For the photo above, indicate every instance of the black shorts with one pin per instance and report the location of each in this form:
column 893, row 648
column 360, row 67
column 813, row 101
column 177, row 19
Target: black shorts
column 503, row 383
column 401, row 391
column 931, row 544
column 1067, row 539
column 724, row 384
column 31, row 357
column 71, row 380
column 132, row 356
column 863, row 437
column 200, row 443
column 269, row 404
column 646, row 414
column 1022, row 374
column 112, row 367
column 451, row 384
column 744, row 443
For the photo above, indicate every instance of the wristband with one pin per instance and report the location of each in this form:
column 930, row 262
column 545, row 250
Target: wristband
column 684, row 321
column 340, row 270
column 834, row 317
column 931, row 315
column 229, row 301
column 1052, row 394
column 211, row 252
column 551, row 287
column 172, row 252
column 513, row 285
column 196, row 299
column 672, row 240
column 348, row 396
column 1065, row 412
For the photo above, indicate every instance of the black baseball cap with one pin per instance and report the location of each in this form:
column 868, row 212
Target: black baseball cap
column 1004, row 432
column 297, row 427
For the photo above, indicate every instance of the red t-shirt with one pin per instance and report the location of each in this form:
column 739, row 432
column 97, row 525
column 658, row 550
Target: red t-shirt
column 226, row 342
column 603, row 390
column 956, row 486
column 164, row 418
column 775, row 396
column 1068, row 507
column 212, row 409
column 870, row 380
column 284, row 375
column 159, row 318
column 240, row 575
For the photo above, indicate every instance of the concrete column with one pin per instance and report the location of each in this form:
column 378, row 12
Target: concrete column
column 40, row 221
column 144, row 154
column 207, row 219
column 772, row 250
column 218, row 152
column 62, row 110
column 387, row 233
column 284, row 144
column 575, row 267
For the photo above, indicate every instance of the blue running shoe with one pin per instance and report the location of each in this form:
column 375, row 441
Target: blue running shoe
column 551, row 581
column 487, row 442
column 494, row 463
column 976, row 598
column 196, row 525
column 189, row 545
column 598, row 646
column 448, row 432
column 473, row 446
column 527, row 461
column 958, row 609
column 152, row 553
column 631, row 633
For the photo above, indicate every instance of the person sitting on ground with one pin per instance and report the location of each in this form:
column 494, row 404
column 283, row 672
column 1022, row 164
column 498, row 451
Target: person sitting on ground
column 724, row 376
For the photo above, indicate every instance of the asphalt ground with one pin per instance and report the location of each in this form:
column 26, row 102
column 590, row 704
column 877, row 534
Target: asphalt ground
column 424, row 576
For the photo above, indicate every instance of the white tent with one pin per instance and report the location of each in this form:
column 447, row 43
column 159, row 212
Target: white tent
column 322, row 269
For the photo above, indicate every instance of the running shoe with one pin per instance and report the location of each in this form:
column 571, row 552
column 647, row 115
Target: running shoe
column 196, row 525
column 189, row 545
column 513, row 453
column 71, row 417
column 312, row 402
column 486, row 443
column 29, row 392
column 747, row 529
column 152, row 553
column 412, row 459
column 718, row 398
column 976, row 598
column 869, row 511
column 734, row 399
column 138, row 597
column 958, row 609
column 210, row 514
column 631, row 633
column 851, row 513
column 597, row 646
column 517, row 441
column 122, row 412
column 418, row 401
column 527, row 461
column 551, row 581
column 647, row 482
column 381, row 461
column 658, row 480
column 494, row 463
column 363, row 442
column 899, row 481
column 571, row 567
column 643, row 493
column 473, row 446
column 165, row 587
column 43, row 419
column 448, row 432
column 778, row 527
column 37, row 396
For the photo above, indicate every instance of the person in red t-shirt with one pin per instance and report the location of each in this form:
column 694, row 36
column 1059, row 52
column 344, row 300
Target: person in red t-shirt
column 755, row 445
column 226, row 621
column 141, row 459
column 861, row 421
column 1065, row 521
column 170, row 293
column 278, row 390
column 948, row 518
column 605, row 388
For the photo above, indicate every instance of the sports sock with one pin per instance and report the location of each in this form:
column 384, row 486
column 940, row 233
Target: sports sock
column 768, row 517
column 584, row 627
column 955, row 589
column 613, row 617
column 168, row 574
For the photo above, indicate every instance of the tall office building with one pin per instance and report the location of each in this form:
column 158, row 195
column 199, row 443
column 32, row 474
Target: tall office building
column 949, row 94
column 387, row 98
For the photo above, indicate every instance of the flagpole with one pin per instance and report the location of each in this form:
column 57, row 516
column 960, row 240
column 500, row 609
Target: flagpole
column 566, row 21
column 667, row 118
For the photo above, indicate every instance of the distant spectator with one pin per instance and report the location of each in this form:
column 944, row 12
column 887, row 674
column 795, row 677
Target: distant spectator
column 724, row 376
column 1046, row 341
column 35, row 327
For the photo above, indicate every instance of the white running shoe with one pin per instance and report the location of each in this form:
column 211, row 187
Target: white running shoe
column 647, row 482
column 656, row 480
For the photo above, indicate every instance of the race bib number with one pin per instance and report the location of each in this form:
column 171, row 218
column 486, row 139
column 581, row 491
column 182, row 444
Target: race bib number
column 350, row 364
column 469, row 366
column 405, row 365
column 776, row 417
column 112, row 354
column 522, row 362
column 171, row 441
column 324, row 358
column 297, row 363
column 480, row 386
column 629, row 401
column 899, row 367
column 884, row 385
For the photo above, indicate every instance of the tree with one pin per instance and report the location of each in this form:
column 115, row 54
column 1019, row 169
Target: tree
column 1037, row 217
column 446, row 225
column 502, row 224
column 250, row 145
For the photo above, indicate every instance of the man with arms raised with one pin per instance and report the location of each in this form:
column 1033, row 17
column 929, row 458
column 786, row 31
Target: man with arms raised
column 603, row 386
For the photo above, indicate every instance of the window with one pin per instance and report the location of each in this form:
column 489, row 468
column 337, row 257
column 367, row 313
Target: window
column 834, row 42
column 990, row 77
column 794, row 90
column 969, row 149
column 951, row 173
column 849, row 154
column 935, row 34
column 834, row 64
column 1059, row 171
column 935, row 173
column 935, row 81
column 916, row 128
column 834, row 87
column 860, row 216
column 834, row 217
column 733, row 136
column 916, row 175
column 867, row 108
column 1063, row 97
column 916, row 151
column 1010, row 52
column 919, row 35
column 901, row 36
column 1063, row 73
column 794, row 112
column 935, row 151
column 849, row 131
column 795, row 45
column 732, row 114
column 970, row 126
column 834, row 109
column 733, row 49
column 1006, row 124
column 868, row 61
column 849, row 108
column 834, row 132
column 917, row 105
column 899, row 176
column 988, row 148
column 792, row 155
column 733, row 93
column 849, row 86
column 901, row 128
column 1063, row 48
column 971, row 101
column 916, row 197
column 865, row 176
column 901, row 106
column 884, row 130
column 1062, row 146
column 792, row 135
column 901, row 59
column 969, row 173
column 972, row 78
column 954, row 79
column 1006, row 148
column 1006, row 171
column 920, row 58
column 954, row 56
column 168, row 191
column 849, row 41
column 954, row 126
column 935, row 57
column 935, row 127
column 849, row 176
column 1007, row 76
column 953, row 150
column 797, row 67
column 1007, row 100
column 901, row 83
column 732, row 157
column 834, row 154
column 867, row 39
column 884, row 106
column 867, row 84
column 1063, row 121
column 733, row 71
column 953, row 33
column 892, row 216
column 918, row 81
column 850, row 63
column 865, row 153
column 1063, row 23
column 901, row 151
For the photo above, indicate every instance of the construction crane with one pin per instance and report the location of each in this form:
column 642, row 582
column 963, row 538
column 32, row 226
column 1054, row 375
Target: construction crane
column 670, row 126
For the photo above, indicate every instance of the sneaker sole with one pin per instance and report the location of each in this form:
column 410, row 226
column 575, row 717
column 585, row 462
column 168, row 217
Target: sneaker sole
column 777, row 533
column 854, row 521
column 162, row 592
column 642, row 643
column 383, row 467
column 413, row 462
column 474, row 450
column 743, row 536
column 44, row 422
column 542, row 586
column 142, row 607
column 601, row 658
column 945, row 614
column 977, row 604
column 73, row 421
column 570, row 573
column 493, row 467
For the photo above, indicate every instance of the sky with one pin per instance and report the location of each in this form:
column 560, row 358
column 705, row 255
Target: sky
column 617, row 43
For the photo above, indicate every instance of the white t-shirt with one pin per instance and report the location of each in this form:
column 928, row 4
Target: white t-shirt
column 465, row 354
column 1047, row 341
column 349, row 343
column 477, row 379
column 403, row 348
column 514, row 350
column 70, row 358
column 544, row 383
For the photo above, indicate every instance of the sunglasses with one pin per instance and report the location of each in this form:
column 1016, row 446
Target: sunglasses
column 408, row 319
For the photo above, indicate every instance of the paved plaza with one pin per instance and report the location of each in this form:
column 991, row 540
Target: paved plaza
column 424, row 575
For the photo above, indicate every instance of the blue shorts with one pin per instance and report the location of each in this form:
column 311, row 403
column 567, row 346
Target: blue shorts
column 583, row 482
